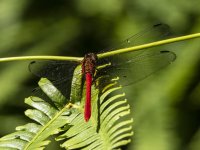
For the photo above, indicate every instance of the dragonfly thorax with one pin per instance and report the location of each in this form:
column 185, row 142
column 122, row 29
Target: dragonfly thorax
column 89, row 63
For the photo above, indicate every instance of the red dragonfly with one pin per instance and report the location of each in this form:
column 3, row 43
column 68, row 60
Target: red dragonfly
column 88, row 69
column 142, row 64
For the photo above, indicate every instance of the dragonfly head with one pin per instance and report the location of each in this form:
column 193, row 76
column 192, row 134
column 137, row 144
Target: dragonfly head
column 91, row 56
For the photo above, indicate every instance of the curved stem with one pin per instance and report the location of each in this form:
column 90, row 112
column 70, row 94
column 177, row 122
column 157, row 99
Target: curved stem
column 149, row 45
column 106, row 54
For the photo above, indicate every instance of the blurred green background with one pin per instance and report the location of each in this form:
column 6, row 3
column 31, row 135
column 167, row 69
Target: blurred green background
column 165, row 106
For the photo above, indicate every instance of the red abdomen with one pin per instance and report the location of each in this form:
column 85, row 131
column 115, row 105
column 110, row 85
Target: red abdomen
column 87, row 111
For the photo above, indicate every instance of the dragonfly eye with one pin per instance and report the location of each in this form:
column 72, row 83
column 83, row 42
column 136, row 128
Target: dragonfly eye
column 92, row 56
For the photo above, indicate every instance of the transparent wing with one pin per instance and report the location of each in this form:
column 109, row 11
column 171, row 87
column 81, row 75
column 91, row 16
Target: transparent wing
column 150, row 34
column 63, row 85
column 53, row 70
column 135, row 66
column 132, row 68
column 60, row 73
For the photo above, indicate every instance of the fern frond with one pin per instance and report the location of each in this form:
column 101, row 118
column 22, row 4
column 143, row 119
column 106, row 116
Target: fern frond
column 110, row 126
column 33, row 136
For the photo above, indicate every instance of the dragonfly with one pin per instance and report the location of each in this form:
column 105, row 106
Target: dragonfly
column 141, row 63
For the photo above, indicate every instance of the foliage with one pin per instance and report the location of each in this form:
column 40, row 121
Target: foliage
column 108, row 128
column 166, row 106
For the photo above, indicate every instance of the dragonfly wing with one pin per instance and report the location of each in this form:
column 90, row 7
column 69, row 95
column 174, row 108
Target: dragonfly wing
column 60, row 73
column 153, row 33
column 53, row 70
column 63, row 85
column 134, row 69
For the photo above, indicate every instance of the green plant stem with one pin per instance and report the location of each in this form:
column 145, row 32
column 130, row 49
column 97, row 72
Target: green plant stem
column 77, row 59
column 106, row 54
column 149, row 45
column 67, row 106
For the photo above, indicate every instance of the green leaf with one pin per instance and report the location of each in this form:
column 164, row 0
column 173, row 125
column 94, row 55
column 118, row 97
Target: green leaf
column 109, row 127
column 49, row 121
column 76, row 86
